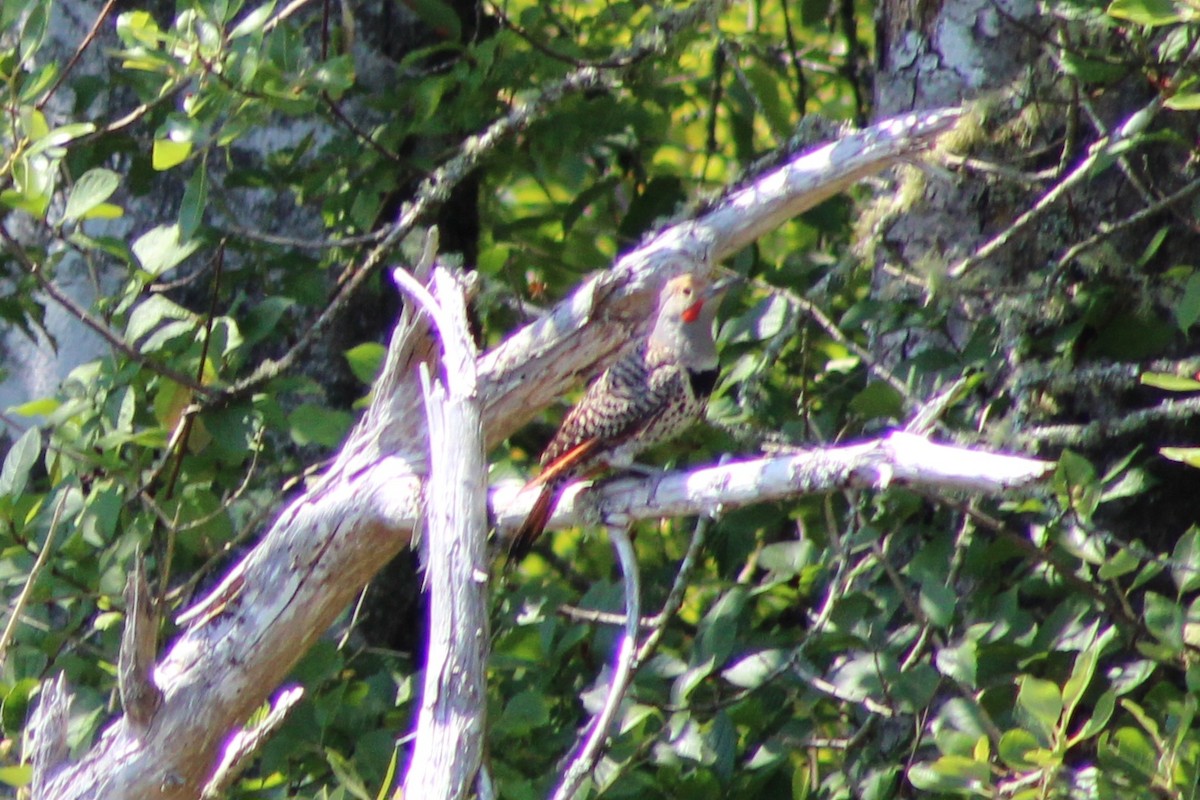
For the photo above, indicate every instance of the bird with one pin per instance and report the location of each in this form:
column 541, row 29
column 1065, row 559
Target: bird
column 654, row 391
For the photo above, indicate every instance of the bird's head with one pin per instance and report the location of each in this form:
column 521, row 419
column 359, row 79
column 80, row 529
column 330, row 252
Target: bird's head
column 689, row 299
column 686, row 309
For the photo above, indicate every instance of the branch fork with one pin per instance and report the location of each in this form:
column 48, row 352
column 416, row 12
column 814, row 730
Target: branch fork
column 243, row 638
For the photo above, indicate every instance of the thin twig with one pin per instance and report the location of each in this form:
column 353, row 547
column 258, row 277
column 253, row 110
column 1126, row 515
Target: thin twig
column 873, row 365
column 625, row 59
column 285, row 12
column 74, row 59
column 359, row 133
column 674, row 601
column 304, row 244
column 595, row 617
column 1110, row 229
column 1135, row 124
column 38, row 564
column 166, row 95
column 1126, row 423
column 97, row 325
column 246, row 742
column 585, row 756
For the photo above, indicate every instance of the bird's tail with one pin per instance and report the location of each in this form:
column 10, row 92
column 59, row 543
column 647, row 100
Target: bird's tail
column 534, row 524
column 556, row 474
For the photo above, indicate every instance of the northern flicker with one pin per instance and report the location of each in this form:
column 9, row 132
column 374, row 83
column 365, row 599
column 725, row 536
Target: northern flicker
column 651, row 394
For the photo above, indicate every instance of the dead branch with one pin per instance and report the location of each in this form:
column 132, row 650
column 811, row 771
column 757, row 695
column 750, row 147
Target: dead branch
column 588, row 749
column 240, row 641
column 899, row 459
column 450, row 725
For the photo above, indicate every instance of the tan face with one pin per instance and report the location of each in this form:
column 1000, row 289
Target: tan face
column 685, row 296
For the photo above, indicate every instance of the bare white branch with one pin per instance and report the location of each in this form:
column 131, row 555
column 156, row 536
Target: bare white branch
column 899, row 458
column 46, row 747
column 450, row 723
column 587, row 752
column 244, row 744
column 140, row 697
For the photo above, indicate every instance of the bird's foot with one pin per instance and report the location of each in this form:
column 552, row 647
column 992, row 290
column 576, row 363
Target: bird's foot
column 640, row 470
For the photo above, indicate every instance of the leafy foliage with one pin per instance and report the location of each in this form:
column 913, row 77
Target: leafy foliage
column 225, row 176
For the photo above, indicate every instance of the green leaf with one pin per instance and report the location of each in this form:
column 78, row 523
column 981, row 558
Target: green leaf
column 1169, row 382
column 168, row 153
column 105, row 211
column 253, row 22
column 385, row 787
column 138, row 28
column 151, row 313
column 36, row 22
column 1184, row 455
column 195, row 201
column 34, row 205
column 1184, row 101
column 16, row 776
column 1084, row 668
column 763, row 321
column 1127, row 677
column 523, row 713
column 1019, row 749
column 347, row 776
column 1101, row 714
column 93, row 188
column 262, row 320
column 1082, row 543
column 756, row 669
column 34, row 125
column 439, row 16
column 785, row 559
column 38, row 82
column 1076, row 485
column 687, row 739
column 952, row 774
column 159, row 249
column 313, row 424
column 1151, row 13
column 1119, row 563
column 335, row 75
column 365, row 360
column 1039, row 703
column 1149, row 725
column 1132, row 336
column 878, row 400
column 1092, row 70
column 1187, row 310
column 574, row 210
column 1164, row 619
column 33, row 184
column 958, row 662
column 1185, row 561
column 715, row 638
column 37, row 408
column 1129, row 751
column 658, row 199
column 939, row 603
column 19, row 461
column 718, row 630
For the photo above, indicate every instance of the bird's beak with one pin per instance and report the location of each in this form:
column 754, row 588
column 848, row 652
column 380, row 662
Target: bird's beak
column 722, row 285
